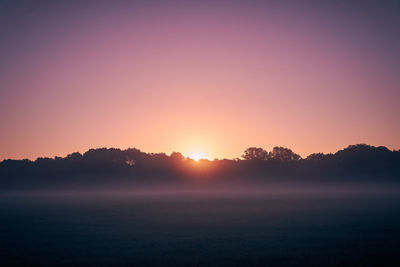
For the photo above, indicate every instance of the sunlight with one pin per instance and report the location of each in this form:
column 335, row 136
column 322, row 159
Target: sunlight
column 196, row 156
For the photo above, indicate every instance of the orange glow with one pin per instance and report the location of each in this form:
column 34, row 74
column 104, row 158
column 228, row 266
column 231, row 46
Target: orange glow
column 186, row 78
column 196, row 156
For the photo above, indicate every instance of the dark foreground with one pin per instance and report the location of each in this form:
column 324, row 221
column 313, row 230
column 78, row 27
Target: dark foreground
column 335, row 229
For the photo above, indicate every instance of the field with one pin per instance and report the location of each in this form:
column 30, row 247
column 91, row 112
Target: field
column 223, row 229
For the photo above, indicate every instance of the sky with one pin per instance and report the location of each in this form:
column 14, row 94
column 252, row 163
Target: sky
column 208, row 78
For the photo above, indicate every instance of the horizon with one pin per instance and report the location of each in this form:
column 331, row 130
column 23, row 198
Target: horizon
column 196, row 156
column 192, row 154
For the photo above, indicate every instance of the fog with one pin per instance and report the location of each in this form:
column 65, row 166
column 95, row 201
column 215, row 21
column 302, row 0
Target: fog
column 218, row 188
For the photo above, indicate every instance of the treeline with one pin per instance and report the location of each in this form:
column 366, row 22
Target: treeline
column 114, row 166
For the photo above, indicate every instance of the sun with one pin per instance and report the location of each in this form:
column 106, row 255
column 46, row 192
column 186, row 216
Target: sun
column 196, row 156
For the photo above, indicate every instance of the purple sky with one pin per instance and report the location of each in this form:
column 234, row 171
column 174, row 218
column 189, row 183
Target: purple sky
column 206, row 77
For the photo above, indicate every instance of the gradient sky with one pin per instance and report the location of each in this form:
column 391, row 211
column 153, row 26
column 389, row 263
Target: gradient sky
column 212, row 77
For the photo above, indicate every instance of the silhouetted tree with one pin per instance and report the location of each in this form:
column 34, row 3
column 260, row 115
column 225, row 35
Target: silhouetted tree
column 318, row 157
column 115, row 166
column 176, row 156
column 105, row 155
column 283, row 154
column 74, row 156
column 255, row 153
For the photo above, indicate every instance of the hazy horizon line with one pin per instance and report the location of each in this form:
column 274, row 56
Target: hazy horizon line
column 188, row 156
